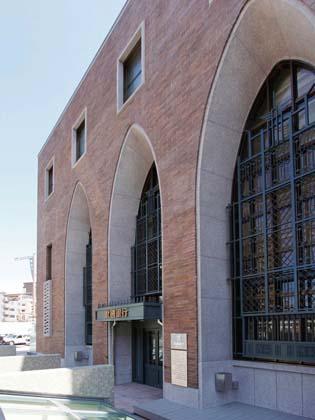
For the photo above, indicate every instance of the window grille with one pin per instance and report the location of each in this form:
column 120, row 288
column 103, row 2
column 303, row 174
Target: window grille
column 146, row 253
column 87, row 292
column 273, row 222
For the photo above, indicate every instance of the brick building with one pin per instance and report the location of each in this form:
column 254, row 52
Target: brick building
column 176, row 204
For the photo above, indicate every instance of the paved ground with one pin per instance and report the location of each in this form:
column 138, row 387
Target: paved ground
column 166, row 410
column 148, row 403
column 126, row 396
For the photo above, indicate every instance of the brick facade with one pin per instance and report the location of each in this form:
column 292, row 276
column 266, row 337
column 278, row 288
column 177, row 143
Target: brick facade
column 184, row 40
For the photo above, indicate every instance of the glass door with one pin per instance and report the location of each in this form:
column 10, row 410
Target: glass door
column 153, row 357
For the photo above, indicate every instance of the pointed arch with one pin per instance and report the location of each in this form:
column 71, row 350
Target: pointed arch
column 265, row 33
column 77, row 239
column 135, row 160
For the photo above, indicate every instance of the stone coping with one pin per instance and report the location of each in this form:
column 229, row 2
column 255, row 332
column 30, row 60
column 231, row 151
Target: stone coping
column 280, row 367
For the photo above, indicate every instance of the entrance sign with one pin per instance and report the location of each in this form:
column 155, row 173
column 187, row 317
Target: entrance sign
column 129, row 312
column 179, row 359
column 116, row 313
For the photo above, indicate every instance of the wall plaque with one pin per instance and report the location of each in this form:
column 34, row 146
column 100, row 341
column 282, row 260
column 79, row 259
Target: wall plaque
column 179, row 341
column 179, row 367
column 179, row 359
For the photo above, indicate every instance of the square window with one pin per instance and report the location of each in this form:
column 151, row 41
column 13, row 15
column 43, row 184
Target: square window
column 132, row 71
column 49, row 179
column 130, row 68
column 79, row 139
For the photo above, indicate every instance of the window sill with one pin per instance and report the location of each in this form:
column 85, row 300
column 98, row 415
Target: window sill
column 74, row 164
column 124, row 104
column 49, row 196
column 274, row 366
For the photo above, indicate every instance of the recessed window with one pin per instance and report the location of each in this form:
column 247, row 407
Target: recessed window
column 79, row 139
column 130, row 71
column 49, row 179
column 50, row 176
column 49, row 262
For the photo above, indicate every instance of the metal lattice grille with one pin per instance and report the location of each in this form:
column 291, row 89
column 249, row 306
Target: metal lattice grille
column 273, row 224
column 87, row 293
column 146, row 254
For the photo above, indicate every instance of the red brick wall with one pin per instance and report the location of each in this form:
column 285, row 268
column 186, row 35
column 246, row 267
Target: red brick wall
column 184, row 40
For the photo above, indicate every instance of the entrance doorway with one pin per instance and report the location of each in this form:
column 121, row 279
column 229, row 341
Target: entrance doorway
column 147, row 353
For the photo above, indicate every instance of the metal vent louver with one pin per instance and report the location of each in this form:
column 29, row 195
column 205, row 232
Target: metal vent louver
column 47, row 303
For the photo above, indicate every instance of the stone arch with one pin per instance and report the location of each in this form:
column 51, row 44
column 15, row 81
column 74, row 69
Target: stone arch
column 78, row 229
column 135, row 160
column 265, row 33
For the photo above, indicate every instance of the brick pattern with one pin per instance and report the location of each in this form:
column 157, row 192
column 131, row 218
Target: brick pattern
column 184, row 40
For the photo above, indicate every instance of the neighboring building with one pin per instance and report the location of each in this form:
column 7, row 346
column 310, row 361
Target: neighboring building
column 28, row 288
column 176, row 207
column 2, row 294
column 18, row 307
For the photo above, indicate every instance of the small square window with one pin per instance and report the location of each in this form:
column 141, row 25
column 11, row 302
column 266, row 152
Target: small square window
column 80, row 140
column 132, row 71
column 130, row 68
column 49, row 179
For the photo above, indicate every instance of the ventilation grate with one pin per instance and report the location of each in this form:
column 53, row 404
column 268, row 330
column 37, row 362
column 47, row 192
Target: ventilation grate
column 47, row 304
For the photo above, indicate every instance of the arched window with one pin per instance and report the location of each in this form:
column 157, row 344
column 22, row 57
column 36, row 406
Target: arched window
column 273, row 222
column 146, row 253
column 87, row 292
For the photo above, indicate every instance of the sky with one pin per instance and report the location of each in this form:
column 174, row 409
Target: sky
column 45, row 48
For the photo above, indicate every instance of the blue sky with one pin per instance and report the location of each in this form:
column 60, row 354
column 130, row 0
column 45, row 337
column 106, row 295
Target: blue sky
column 45, row 48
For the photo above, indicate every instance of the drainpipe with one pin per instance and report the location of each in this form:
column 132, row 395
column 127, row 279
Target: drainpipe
column 112, row 358
column 160, row 322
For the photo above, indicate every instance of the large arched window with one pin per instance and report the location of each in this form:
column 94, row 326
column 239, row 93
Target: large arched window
column 146, row 253
column 273, row 221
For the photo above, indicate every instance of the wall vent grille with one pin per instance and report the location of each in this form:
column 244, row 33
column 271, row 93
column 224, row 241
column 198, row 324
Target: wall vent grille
column 47, row 306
